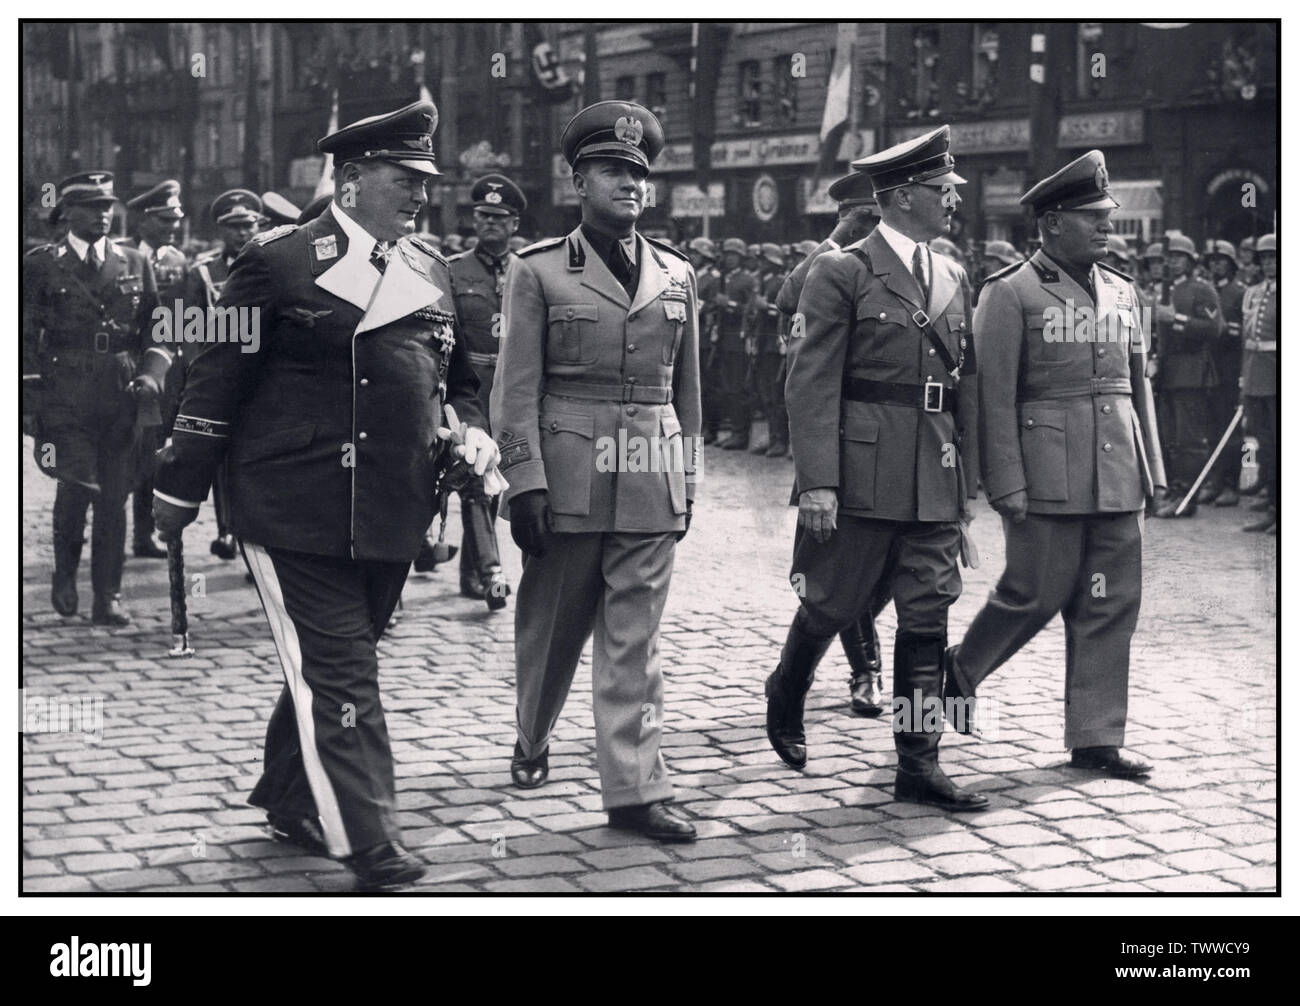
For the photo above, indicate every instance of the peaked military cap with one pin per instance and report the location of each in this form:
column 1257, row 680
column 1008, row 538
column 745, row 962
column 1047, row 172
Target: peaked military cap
column 854, row 189
column 498, row 194
column 163, row 200
column 404, row 137
column 621, row 129
column 279, row 209
column 923, row 160
column 87, row 187
column 237, row 206
column 1083, row 184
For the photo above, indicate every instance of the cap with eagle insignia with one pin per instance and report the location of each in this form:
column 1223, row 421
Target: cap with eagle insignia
column 236, row 207
column 922, row 160
column 163, row 200
column 87, row 187
column 1083, row 184
column 403, row 137
column 497, row 194
column 619, row 129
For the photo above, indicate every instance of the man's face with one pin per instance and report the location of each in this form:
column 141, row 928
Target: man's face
column 89, row 221
column 991, row 264
column 389, row 197
column 159, row 230
column 697, row 260
column 1079, row 237
column 235, row 235
column 1155, row 267
column 1220, row 267
column 612, row 190
column 1180, row 264
column 862, row 219
column 1268, row 264
column 494, row 229
column 730, row 260
column 932, row 207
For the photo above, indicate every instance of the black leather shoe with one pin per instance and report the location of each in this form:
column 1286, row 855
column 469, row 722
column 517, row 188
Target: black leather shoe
column 1208, row 494
column 1267, row 522
column 710, row 437
column 937, row 790
column 529, row 773
column 1229, row 497
column 1260, row 505
column 735, row 442
column 785, row 723
column 223, row 547
column 108, row 610
column 384, row 867
column 304, row 832
column 654, row 820
column 866, row 694
column 495, row 589
column 1109, row 761
column 1169, row 508
column 778, row 449
column 470, row 587
column 147, row 548
column 63, row 593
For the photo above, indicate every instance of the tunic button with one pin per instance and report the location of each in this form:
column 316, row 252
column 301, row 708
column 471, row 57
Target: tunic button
column 883, row 316
column 361, row 435
column 963, row 338
column 1107, row 448
column 1106, row 409
column 365, row 381
column 1029, row 422
column 631, row 347
column 569, row 314
column 631, row 410
column 932, row 352
column 555, row 427
column 1101, row 352
column 631, row 380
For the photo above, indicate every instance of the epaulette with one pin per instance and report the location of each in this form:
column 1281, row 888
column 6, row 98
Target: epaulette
column 541, row 245
column 665, row 246
column 1111, row 268
column 1004, row 271
column 274, row 234
column 46, row 248
column 424, row 246
column 458, row 256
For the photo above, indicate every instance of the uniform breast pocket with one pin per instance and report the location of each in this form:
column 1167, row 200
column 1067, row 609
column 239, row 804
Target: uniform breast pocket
column 1043, row 447
column 568, row 459
column 572, row 333
column 129, row 290
column 882, row 332
column 858, row 444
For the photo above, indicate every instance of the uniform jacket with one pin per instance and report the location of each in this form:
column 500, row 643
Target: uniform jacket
column 769, row 324
column 889, row 462
column 1185, row 345
column 329, row 428
column 1259, row 334
column 787, row 301
column 169, row 265
column 567, row 319
column 478, row 306
column 709, row 282
column 1070, row 422
column 1227, row 350
column 734, row 296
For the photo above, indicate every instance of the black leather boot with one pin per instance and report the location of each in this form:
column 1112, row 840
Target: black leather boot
column 866, row 684
column 70, row 505
column 786, row 688
column 107, row 557
column 107, row 610
column 918, row 681
column 483, row 570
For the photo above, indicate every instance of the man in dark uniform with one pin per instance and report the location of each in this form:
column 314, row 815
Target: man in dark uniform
column 1259, row 380
column 478, row 280
column 1069, row 455
column 768, row 340
column 238, row 216
column 88, row 361
column 597, row 411
column 1221, row 484
column 1187, row 329
column 159, row 221
column 703, row 255
column 735, row 316
column 330, row 429
column 858, row 215
column 881, row 393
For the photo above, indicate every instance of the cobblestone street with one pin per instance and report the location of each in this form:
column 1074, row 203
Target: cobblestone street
column 158, row 804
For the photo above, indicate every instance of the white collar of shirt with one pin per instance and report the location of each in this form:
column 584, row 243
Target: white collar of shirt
column 904, row 247
column 356, row 234
column 146, row 249
column 629, row 246
column 80, row 247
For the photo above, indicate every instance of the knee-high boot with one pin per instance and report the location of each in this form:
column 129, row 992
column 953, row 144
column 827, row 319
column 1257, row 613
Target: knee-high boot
column 862, row 649
column 786, row 688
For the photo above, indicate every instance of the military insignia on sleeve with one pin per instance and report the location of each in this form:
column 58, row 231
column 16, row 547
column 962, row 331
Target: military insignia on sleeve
column 628, row 129
column 514, row 449
column 307, row 316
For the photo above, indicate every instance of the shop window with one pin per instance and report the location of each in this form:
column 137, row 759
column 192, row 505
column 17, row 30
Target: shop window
column 984, row 67
column 625, row 88
column 787, row 96
column 925, row 72
column 751, row 94
column 656, row 94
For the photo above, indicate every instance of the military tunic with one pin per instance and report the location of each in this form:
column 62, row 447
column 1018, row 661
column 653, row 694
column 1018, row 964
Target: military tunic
column 1259, row 377
column 1186, row 373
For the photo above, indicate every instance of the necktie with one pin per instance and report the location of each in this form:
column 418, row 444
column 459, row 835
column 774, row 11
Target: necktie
column 379, row 256
column 918, row 270
column 93, row 260
column 621, row 266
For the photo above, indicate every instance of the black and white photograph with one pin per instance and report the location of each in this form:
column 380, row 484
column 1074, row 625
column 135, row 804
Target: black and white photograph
column 511, row 462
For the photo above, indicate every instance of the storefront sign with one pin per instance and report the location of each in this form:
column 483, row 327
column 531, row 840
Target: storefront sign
column 762, row 151
column 1002, row 191
column 688, row 201
column 1101, row 129
column 993, row 136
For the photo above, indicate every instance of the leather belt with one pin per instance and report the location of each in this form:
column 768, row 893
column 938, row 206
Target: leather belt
column 1095, row 386
column 642, row 394
column 929, row 397
column 100, row 342
column 483, row 359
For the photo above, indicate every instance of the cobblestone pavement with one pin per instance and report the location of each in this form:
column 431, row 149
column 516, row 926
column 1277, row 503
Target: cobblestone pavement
column 158, row 804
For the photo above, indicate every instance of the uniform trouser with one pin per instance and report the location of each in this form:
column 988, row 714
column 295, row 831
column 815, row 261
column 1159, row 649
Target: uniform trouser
column 327, row 753
column 1223, row 403
column 1185, row 437
column 107, row 535
column 737, row 405
column 613, row 586
column 479, row 551
column 142, row 492
column 710, row 388
column 1088, row 568
column 1261, row 417
column 769, row 383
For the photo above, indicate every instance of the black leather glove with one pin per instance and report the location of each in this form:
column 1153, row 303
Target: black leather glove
column 530, row 520
column 690, row 505
column 171, row 520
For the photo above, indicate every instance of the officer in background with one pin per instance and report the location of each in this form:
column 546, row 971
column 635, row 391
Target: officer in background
column 330, row 432
column 1069, row 453
column 238, row 216
column 858, row 215
column 768, row 353
column 1188, row 324
column 703, row 255
column 478, row 279
column 159, row 216
column 881, row 395
column 599, row 361
column 91, row 375
column 1249, row 271
column 735, row 316
column 1221, row 484
column 1259, row 380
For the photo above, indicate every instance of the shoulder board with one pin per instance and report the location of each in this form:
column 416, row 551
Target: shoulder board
column 274, row 234
column 665, row 246
column 424, row 246
column 1112, row 269
column 458, row 256
column 1003, row 272
column 211, row 255
column 543, row 245
column 39, row 250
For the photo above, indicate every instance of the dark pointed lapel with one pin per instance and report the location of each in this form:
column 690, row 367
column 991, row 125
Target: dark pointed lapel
column 596, row 275
column 1057, row 281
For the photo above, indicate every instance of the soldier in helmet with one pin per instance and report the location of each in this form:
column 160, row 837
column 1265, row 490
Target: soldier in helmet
column 735, row 321
column 1220, row 486
column 704, row 256
column 1259, row 380
column 1248, row 263
column 768, row 343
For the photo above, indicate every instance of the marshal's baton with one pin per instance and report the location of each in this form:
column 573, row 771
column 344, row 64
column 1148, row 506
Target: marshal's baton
column 176, row 594
column 1223, row 440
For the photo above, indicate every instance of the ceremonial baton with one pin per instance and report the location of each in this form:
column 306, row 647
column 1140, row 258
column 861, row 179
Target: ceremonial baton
column 176, row 593
column 1191, row 493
